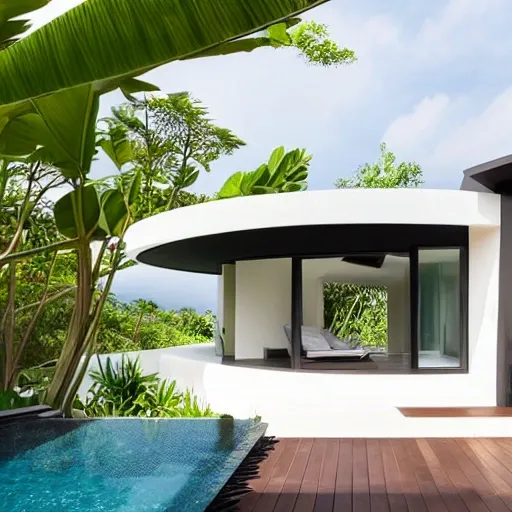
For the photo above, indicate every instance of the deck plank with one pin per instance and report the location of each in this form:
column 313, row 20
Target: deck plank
column 396, row 498
column 428, row 488
column 291, row 487
column 344, row 477
column 327, row 483
column 309, row 487
column 274, row 487
column 360, row 482
column 378, row 494
column 410, row 485
column 258, row 485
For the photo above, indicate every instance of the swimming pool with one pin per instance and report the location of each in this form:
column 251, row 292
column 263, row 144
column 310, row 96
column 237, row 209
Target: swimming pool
column 120, row 465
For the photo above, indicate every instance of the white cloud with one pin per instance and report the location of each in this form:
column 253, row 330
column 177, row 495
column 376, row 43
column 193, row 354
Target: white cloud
column 435, row 135
column 484, row 136
column 461, row 27
column 416, row 128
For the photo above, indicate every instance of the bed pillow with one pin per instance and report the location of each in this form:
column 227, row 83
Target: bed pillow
column 334, row 342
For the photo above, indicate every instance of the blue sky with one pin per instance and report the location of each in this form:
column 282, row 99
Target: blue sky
column 433, row 81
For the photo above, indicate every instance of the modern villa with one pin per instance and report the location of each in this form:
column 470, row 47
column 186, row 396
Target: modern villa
column 443, row 256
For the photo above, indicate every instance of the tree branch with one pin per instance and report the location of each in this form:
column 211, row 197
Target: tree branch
column 48, row 300
column 32, row 324
column 59, row 246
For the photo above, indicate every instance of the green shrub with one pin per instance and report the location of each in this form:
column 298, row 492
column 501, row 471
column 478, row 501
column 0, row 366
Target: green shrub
column 123, row 390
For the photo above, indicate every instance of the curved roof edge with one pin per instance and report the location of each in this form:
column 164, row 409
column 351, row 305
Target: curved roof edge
column 326, row 207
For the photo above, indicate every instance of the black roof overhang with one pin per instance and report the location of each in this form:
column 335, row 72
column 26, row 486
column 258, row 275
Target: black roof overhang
column 207, row 254
column 494, row 176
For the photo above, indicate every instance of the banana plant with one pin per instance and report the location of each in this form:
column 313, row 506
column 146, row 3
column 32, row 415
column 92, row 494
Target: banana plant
column 101, row 43
column 284, row 172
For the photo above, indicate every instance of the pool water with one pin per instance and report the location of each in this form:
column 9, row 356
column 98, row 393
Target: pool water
column 120, row 465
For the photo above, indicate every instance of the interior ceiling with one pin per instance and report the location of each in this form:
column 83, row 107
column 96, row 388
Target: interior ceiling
column 207, row 254
column 394, row 269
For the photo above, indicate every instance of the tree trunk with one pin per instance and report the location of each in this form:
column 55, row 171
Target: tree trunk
column 75, row 344
column 137, row 327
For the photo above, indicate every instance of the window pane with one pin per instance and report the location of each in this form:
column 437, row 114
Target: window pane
column 439, row 307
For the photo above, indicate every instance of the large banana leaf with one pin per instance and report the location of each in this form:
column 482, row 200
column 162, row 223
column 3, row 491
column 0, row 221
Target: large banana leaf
column 100, row 40
column 60, row 126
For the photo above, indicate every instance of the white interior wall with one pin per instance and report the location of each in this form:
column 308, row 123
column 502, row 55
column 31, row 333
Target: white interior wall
column 263, row 306
column 398, row 315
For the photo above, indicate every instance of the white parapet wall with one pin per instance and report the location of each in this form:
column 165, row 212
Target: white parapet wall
column 307, row 404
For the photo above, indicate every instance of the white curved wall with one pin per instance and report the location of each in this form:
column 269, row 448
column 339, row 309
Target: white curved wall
column 298, row 404
column 346, row 206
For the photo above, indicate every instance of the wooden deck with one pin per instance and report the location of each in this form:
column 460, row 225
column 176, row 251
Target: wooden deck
column 456, row 412
column 384, row 475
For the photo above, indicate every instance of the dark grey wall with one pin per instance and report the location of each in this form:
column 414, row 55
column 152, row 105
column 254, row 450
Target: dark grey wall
column 504, row 393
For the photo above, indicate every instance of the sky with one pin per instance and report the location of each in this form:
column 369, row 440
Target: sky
column 433, row 80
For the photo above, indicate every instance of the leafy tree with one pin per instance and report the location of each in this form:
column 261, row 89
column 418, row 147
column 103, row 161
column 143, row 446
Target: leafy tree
column 384, row 173
column 25, row 225
column 144, row 307
column 169, row 140
column 312, row 40
column 284, row 172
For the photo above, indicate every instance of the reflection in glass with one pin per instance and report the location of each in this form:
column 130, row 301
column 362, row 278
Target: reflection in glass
column 439, row 308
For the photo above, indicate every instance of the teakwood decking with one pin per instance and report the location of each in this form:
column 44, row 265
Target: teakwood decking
column 384, row 475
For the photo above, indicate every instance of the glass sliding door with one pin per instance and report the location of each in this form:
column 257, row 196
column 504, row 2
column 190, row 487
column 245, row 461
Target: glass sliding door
column 440, row 333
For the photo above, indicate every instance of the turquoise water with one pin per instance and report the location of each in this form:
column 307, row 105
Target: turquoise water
column 119, row 465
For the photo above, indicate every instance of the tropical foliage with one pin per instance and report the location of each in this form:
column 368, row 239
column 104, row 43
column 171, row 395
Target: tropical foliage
column 384, row 173
column 169, row 140
column 356, row 313
column 123, row 390
column 284, row 172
